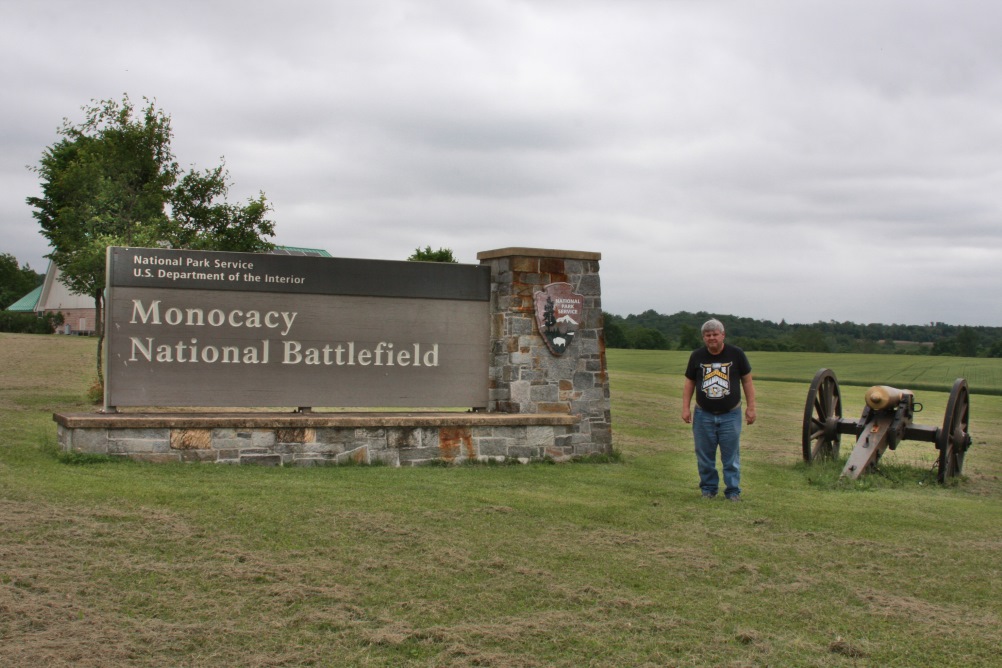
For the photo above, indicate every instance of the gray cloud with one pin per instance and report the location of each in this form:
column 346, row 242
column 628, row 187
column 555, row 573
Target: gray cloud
column 767, row 158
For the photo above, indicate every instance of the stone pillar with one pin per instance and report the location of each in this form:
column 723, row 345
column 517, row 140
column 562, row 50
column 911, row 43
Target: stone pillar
column 525, row 377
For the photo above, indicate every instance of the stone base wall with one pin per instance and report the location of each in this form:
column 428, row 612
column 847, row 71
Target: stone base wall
column 289, row 439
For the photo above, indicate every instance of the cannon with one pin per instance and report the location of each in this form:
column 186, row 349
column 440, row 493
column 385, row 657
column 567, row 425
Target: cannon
column 885, row 422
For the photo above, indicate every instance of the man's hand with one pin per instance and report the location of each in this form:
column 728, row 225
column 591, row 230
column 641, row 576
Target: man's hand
column 750, row 415
column 688, row 387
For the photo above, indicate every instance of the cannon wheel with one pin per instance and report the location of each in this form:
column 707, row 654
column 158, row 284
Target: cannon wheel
column 821, row 416
column 953, row 439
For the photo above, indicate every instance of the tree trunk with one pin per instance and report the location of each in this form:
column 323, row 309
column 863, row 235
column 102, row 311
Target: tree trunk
column 99, row 328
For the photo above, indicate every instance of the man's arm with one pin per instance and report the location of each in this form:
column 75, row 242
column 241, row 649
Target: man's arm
column 687, row 389
column 748, row 387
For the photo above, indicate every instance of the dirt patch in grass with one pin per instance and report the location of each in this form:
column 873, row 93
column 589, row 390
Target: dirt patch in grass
column 106, row 587
column 938, row 616
column 101, row 586
column 45, row 614
column 40, row 363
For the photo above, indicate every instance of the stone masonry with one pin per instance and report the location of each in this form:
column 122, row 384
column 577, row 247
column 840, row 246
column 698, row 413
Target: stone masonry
column 311, row 439
column 525, row 377
column 540, row 405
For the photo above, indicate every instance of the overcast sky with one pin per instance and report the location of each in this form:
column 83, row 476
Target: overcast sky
column 774, row 159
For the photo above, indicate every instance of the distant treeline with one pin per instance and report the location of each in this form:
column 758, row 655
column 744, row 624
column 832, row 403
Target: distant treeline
column 655, row 331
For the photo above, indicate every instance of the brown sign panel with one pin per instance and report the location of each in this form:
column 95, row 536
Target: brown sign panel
column 559, row 314
column 181, row 346
column 259, row 272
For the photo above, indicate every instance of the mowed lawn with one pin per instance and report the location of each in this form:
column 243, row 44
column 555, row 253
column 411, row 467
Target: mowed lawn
column 612, row 564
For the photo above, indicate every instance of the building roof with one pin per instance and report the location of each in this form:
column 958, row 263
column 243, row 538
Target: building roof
column 57, row 297
column 27, row 303
column 293, row 250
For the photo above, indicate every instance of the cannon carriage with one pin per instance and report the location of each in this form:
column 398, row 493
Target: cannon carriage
column 885, row 422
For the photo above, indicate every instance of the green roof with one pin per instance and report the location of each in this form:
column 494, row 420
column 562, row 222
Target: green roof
column 292, row 250
column 27, row 303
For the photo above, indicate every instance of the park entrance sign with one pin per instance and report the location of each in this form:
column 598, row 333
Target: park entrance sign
column 207, row 333
column 200, row 328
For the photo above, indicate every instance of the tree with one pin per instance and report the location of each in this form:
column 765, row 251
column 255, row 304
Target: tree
column 689, row 338
column 646, row 338
column 428, row 255
column 809, row 339
column 112, row 180
column 615, row 335
column 15, row 281
column 202, row 219
column 967, row 342
column 945, row 346
column 101, row 183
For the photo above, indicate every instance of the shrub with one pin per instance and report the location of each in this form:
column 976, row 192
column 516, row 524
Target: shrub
column 29, row 323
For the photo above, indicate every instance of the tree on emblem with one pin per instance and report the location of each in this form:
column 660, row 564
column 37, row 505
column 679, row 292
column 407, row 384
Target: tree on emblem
column 558, row 314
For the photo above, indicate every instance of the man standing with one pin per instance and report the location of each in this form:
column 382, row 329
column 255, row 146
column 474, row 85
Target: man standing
column 717, row 373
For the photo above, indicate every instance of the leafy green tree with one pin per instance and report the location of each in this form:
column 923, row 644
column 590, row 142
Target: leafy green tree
column 15, row 281
column 112, row 180
column 202, row 219
column 809, row 339
column 967, row 342
column 689, row 338
column 615, row 335
column 646, row 338
column 429, row 255
column 945, row 346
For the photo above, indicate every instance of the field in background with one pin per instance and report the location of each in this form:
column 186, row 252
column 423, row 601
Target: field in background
column 984, row 375
column 541, row 565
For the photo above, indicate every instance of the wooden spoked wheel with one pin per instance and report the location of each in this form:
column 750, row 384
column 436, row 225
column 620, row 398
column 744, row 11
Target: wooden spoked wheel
column 953, row 439
column 821, row 418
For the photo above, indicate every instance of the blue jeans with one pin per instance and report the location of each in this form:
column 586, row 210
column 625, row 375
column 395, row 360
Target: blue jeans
column 711, row 431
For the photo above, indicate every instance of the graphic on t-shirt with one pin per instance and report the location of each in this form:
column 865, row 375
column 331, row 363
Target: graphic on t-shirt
column 716, row 379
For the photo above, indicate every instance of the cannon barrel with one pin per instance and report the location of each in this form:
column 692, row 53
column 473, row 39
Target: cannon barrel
column 880, row 397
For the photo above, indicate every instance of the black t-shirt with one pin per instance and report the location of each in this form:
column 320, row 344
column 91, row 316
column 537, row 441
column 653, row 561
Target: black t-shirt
column 718, row 377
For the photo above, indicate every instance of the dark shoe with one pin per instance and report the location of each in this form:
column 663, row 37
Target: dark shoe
column 734, row 498
column 707, row 495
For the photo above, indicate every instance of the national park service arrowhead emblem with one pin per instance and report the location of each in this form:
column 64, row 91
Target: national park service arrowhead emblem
column 559, row 313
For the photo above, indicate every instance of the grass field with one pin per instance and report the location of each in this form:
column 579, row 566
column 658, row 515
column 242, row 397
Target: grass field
column 542, row 565
column 984, row 375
